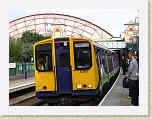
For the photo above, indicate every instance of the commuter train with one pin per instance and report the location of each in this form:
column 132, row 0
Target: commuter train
column 72, row 69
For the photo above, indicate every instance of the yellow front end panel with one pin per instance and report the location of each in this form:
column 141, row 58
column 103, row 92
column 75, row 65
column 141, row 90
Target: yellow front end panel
column 83, row 77
column 46, row 81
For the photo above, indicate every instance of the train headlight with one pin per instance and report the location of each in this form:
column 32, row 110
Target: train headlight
column 89, row 86
column 65, row 43
column 40, row 88
column 79, row 86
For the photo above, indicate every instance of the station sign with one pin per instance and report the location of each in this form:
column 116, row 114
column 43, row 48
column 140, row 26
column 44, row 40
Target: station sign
column 113, row 45
column 12, row 65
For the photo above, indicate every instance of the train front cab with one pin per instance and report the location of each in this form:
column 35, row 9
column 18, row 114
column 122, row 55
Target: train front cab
column 84, row 70
column 69, row 68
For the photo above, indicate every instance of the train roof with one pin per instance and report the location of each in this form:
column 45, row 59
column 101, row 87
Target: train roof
column 94, row 43
column 43, row 41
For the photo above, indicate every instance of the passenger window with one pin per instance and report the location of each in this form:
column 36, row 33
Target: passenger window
column 110, row 62
column 82, row 55
column 43, row 55
column 97, row 57
column 104, row 63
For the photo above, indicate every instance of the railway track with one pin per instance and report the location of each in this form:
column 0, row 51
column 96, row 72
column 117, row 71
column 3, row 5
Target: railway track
column 26, row 100
column 27, row 97
column 24, row 97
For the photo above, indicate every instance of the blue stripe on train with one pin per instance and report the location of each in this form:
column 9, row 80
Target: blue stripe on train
column 75, row 93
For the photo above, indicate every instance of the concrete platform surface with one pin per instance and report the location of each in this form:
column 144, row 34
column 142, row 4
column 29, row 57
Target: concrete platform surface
column 117, row 96
column 20, row 84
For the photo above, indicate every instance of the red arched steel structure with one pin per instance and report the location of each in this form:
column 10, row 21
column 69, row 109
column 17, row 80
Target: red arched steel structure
column 49, row 23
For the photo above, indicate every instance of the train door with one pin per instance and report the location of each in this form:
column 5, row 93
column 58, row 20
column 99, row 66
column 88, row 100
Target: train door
column 63, row 68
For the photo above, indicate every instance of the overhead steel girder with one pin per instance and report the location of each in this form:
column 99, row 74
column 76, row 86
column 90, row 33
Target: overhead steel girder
column 49, row 23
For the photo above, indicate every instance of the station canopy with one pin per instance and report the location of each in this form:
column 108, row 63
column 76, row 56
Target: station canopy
column 57, row 25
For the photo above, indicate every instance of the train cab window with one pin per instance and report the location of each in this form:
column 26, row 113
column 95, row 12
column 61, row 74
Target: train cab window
column 82, row 55
column 43, row 55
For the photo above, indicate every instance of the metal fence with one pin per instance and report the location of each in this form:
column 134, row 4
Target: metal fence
column 20, row 69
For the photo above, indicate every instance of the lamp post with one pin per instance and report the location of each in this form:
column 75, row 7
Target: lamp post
column 25, row 68
column 22, row 55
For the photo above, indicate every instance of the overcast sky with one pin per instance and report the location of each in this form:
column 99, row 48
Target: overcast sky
column 111, row 20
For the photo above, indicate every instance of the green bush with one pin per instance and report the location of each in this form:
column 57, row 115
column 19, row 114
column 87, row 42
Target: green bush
column 22, row 48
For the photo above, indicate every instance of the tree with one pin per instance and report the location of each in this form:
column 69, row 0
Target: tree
column 28, row 39
column 32, row 37
column 15, row 50
column 22, row 48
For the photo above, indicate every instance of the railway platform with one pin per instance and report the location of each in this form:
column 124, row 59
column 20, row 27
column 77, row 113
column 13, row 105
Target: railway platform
column 117, row 95
column 16, row 85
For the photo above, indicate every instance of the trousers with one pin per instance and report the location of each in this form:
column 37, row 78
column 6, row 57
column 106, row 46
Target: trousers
column 134, row 92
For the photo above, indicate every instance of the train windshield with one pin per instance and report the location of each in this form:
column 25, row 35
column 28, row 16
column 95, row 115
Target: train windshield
column 43, row 55
column 82, row 55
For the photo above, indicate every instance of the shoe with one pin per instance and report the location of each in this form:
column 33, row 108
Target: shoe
column 131, row 105
column 128, row 97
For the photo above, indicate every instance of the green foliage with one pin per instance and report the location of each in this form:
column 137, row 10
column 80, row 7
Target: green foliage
column 22, row 48
column 15, row 50
column 32, row 37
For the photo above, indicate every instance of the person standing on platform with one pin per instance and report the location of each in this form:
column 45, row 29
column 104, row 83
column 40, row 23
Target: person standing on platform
column 124, row 65
column 134, row 79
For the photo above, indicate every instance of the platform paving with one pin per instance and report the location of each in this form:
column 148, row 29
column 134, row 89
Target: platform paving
column 117, row 96
column 21, row 82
